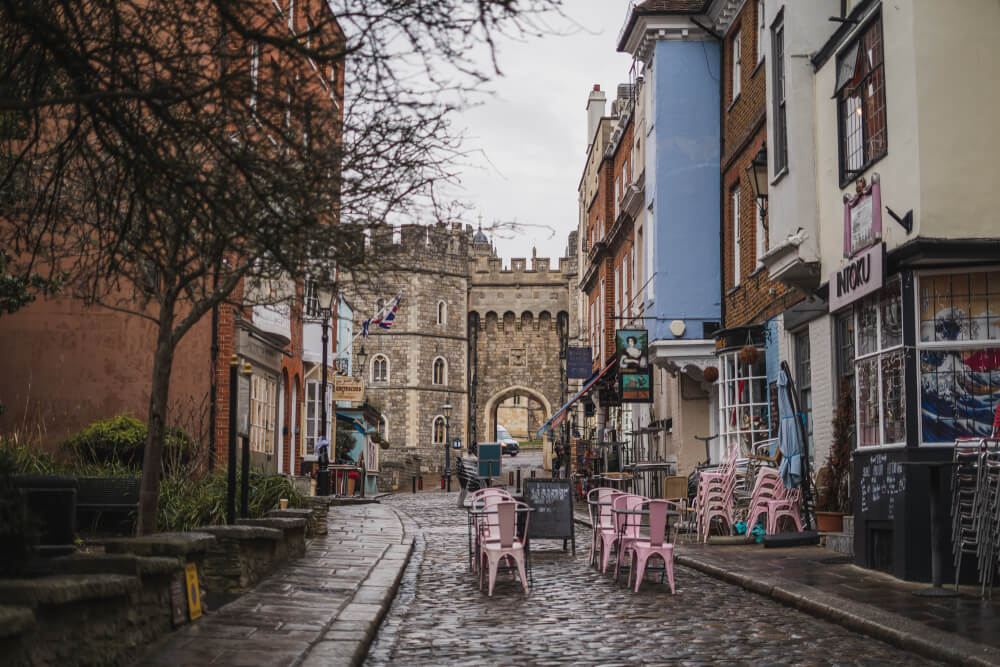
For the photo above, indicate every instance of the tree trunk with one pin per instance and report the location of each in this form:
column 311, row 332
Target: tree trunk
column 149, row 487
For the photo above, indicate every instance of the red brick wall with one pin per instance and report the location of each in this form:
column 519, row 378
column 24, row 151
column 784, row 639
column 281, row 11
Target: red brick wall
column 757, row 297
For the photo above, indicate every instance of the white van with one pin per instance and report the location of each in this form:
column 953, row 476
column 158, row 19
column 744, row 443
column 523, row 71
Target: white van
column 508, row 444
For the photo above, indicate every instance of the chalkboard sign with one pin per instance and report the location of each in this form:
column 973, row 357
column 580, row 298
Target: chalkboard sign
column 880, row 485
column 552, row 502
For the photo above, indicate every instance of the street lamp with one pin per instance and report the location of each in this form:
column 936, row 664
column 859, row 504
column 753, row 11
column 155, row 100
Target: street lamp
column 362, row 358
column 326, row 297
column 446, row 409
column 757, row 175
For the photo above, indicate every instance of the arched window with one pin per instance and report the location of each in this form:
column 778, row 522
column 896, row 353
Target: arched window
column 440, row 371
column 380, row 368
column 438, row 430
column 442, row 312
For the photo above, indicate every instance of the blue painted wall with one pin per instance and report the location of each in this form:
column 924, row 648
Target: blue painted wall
column 686, row 189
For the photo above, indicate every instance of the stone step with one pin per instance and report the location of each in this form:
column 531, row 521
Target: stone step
column 842, row 543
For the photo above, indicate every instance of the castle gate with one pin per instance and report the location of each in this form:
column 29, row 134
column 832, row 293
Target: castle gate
column 519, row 327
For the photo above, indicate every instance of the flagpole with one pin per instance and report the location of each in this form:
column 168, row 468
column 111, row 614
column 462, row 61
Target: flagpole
column 385, row 308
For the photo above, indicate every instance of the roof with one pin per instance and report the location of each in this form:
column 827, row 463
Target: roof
column 659, row 7
column 480, row 237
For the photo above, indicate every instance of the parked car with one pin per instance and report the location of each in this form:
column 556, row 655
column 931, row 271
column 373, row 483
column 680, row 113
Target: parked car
column 508, row 444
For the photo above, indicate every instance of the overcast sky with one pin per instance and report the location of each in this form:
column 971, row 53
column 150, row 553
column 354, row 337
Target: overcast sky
column 532, row 133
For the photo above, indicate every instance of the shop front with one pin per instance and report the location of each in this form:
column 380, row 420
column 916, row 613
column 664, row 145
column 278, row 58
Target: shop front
column 263, row 351
column 925, row 357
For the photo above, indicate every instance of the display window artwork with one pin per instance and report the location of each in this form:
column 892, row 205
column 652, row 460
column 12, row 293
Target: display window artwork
column 959, row 354
column 880, row 408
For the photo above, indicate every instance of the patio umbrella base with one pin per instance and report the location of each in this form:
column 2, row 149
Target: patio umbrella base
column 805, row 538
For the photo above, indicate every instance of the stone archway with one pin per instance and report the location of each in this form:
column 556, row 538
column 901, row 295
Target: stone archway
column 489, row 415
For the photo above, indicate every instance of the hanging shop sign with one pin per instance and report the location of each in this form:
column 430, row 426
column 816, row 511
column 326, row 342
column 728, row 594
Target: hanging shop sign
column 635, row 377
column 863, row 217
column 579, row 363
column 863, row 274
column 346, row 388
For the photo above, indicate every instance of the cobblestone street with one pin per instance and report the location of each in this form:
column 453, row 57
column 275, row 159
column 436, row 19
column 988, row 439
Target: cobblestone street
column 576, row 615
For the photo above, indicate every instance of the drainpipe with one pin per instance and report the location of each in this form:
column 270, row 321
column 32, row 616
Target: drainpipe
column 213, row 384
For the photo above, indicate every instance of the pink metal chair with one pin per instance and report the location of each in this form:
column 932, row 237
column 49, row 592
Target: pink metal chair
column 507, row 547
column 642, row 549
column 609, row 537
column 628, row 528
column 485, row 525
column 768, row 487
column 786, row 506
column 599, row 502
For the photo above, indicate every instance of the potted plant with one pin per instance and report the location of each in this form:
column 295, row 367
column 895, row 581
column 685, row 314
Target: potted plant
column 834, row 500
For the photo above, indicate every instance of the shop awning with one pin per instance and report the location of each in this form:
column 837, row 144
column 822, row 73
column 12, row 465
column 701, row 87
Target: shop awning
column 347, row 419
column 560, row 415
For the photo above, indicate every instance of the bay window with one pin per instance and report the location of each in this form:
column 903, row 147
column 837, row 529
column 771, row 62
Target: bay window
column 959, row 341
column 743, row 402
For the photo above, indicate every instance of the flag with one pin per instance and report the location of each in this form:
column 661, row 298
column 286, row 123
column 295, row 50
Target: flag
column 364, row 327
column 386, row 320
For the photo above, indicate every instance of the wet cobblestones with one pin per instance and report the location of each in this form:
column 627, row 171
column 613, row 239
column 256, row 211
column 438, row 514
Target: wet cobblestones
column 576, row 615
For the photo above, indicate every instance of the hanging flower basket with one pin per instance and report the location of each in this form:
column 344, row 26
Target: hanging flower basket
column 711, row 374
column 749, row 355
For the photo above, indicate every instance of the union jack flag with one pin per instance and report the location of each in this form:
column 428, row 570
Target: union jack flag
column 386, row 320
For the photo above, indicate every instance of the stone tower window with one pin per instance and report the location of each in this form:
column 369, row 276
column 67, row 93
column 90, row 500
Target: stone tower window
column 380, row 368
column 438, row 430
column 440, row 371
column 442, row 312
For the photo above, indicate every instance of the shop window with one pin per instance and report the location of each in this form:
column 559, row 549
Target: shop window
column 313, row 416
column 439, row 433
column 959, row 354
column 743, row 402
column 844, row 327
column 803, row 380
column 879, row 369
column 263, row 403
column 860, row 93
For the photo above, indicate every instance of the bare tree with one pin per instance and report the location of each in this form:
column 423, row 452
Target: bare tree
column 165, row 155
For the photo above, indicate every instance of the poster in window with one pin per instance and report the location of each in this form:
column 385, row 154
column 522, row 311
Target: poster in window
column 635, row 377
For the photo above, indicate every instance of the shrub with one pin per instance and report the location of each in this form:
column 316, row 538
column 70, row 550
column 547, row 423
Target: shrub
column 119, row 442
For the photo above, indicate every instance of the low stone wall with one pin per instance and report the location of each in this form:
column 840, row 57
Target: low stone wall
column 104, row 609
column 396, row 474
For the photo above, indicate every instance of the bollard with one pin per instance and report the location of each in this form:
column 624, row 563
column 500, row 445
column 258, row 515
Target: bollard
column 420, row 483
column 413, row 483
column 518, row 480
column 442, row 482
column 510, row 477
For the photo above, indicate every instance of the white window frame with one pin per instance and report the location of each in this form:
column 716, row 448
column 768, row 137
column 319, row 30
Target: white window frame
column 743, row 392
column 263, row 400
column 444, row 371
column 880, row 352
column 254, row 73
column 737, row 58
column 760, row 234
column 312, row 420
column 380, row 377
column 618, row 197
column 761, row 31
column 734, row 202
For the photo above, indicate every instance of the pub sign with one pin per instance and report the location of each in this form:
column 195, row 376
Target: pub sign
column 635, row 377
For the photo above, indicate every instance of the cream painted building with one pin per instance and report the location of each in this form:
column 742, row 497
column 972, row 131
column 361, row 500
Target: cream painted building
column 882, row 211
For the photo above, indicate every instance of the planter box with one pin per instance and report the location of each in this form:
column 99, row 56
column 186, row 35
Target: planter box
column 830, row 522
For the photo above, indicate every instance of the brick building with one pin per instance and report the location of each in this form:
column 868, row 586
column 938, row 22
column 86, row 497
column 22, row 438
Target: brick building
column 67, row 365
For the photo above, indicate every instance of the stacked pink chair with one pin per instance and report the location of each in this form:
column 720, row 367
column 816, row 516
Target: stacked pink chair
column 506, row 547
column 767, row 487
column 715, row 497
column 640, row 550
column 786, row 506
column 486, row 526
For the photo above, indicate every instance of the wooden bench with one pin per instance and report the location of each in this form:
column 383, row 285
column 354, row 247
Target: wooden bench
column 467, row 472
column 107, row 494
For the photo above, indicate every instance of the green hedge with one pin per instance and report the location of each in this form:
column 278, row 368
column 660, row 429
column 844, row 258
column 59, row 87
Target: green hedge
column 119, row 442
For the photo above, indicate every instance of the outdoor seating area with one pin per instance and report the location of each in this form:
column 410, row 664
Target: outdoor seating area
column 632, row 529
column 744, row 492
column 497, row 537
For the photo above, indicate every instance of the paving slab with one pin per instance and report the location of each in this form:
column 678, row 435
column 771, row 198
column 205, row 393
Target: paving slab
column 320, row 609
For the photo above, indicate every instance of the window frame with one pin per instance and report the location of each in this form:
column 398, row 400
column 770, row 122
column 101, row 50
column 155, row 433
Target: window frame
column 732, row 372
column 734, row 204
column 442, row 363
column 778, row 80
column 873, row 71
column 439, row 419
column 761, row 30
column 760, row 236
column 442, row 312
column 736, row 54
column 803, row 379
column 311, row 424
column 373, row 373
column 877, row 354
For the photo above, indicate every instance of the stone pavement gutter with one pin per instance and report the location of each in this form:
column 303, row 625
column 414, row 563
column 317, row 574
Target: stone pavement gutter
column 869, row 619
column 321, row 609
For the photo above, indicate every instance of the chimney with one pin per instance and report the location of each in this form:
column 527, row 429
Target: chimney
column 596, row 104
